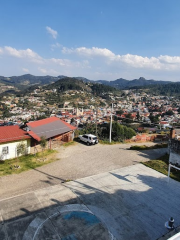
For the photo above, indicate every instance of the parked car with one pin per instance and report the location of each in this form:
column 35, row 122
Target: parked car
column 89, row 139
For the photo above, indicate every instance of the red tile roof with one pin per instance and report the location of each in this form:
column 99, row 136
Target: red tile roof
column 35, row 136
column 12, row 133
column 43, row 122
column 49, row 120
column 164, row 122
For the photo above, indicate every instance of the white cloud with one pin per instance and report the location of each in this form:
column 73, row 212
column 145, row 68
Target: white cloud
column 42, row 70
column 139, row 61
column 48, row 71
column 135, row 61
column 93, row 63
column 27, row 54
column 25, row 70
column 90, row 52
column 52, row 32
column 56, row 45
column 61, row 62
column 169, row 59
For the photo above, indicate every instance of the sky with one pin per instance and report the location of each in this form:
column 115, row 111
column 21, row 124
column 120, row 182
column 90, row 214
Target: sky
column 95, row 39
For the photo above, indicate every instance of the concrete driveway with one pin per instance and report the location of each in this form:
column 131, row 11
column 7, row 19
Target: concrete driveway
column 132, row 202
column 75, row 162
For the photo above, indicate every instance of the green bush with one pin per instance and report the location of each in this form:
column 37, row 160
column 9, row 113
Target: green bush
column 144, row 147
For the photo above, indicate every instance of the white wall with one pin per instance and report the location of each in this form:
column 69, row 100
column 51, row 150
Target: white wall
column 12, row 149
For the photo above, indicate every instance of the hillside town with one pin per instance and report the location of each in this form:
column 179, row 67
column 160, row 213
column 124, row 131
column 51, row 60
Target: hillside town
column 90, row 120
column 84, row 144
column 130, row 106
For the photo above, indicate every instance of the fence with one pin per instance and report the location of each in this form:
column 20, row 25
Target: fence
column 51, row 144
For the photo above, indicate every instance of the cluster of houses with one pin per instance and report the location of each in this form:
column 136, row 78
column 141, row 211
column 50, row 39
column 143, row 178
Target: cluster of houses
column 53, row 129
column 140, row 106
column 60, row 126
column 30, row 134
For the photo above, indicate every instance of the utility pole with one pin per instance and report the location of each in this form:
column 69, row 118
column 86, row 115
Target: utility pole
column 96, row 120
column 110, row 124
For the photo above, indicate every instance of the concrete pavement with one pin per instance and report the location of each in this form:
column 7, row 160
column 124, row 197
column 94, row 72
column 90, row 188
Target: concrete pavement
column 129, row 203
column 76, row 162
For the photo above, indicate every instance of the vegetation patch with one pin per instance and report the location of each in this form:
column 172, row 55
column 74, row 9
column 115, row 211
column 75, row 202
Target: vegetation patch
column 107, row 142
column 67, row 144
column 24, row 163
column 119, row 132
column 144, row 147
column 161, row 165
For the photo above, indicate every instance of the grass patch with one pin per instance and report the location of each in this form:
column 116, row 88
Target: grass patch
column 144, row 147
column 67, row 144
column 27, row 162
column 161, row 165
column 108, row 143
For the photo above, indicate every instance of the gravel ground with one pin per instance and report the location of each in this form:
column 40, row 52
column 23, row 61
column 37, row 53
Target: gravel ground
column 76, row 161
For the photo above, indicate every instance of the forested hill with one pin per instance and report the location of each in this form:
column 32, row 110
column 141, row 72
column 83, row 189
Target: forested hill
column 15, row 84
column 68, row 83
column 170, row 89
column 126, row 84
column 27, row 80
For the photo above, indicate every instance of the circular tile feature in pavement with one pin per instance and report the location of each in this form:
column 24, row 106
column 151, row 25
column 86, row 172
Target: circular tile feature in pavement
column 68, row 224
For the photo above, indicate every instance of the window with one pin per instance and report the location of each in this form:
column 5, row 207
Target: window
column 85, row 136
column 5, row 150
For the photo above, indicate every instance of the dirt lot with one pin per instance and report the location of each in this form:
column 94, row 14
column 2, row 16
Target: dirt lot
column 76, row 161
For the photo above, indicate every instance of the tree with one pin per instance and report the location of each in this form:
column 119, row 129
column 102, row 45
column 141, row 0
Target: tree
column 128, row 118
column 43, row 142
column 115, row 118
column 169, row 112
column 153, row 118
column 138, row 116
column 120, row 132
column 119, row 112
column 130, row 133
column 21, row 149
column 72, row 120
column 5, row 112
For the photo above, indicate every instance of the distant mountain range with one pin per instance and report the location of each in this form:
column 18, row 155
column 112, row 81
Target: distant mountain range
column 27, row 80
column 122, row 83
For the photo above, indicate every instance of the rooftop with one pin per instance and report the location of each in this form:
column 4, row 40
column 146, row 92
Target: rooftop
column 12, row 133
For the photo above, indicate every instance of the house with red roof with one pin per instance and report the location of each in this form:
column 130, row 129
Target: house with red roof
column 164, row 124
column 10, row 138
column 52, row 129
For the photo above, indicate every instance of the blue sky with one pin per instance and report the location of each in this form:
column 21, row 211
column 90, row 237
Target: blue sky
column 97, row 39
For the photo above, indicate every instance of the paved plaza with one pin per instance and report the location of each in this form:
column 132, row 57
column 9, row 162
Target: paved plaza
column 74, row 162
column 133, row 202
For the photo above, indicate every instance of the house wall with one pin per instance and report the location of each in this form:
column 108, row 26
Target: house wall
column 54, row 142
column 66, row 137
column 12, row 149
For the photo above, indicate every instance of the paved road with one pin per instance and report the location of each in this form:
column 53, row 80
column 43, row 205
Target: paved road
column 75, row 162
column 133, row 202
